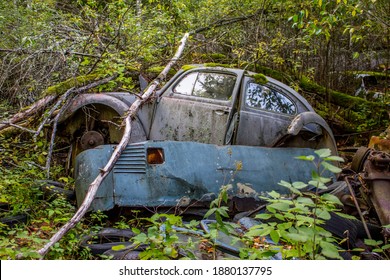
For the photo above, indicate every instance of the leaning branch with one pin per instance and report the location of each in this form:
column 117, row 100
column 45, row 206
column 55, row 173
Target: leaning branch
column 93, row 187
column 34, row 108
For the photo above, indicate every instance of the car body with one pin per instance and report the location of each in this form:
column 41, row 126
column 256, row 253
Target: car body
column 172, row 174
column 213, row 106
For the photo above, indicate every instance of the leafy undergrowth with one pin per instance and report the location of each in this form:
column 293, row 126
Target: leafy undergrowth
column 21, row 197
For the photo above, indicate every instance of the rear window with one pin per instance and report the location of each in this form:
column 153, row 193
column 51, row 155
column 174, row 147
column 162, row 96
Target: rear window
column 207, row 84
column 266, row 98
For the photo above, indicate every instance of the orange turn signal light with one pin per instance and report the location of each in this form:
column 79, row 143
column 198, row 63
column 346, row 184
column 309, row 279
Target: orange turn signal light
column 155, row 155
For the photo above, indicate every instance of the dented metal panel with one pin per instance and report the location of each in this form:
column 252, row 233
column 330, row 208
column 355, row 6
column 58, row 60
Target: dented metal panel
column 190, row 172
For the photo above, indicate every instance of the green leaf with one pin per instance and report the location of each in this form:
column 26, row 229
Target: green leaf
column 305, row 219
column 296, row 237
column 378, row 250
column 329, row 250
column 274, row 234
column 274, row 194
column 294, row 190
column 299, row 185
column 284, row 226
column 118, row 247
column 210, row 212
column 259, row 232
column 330, row 167
column 140, row 238
column 323, row 153
column 371, row 242
column 263, row 216
column 385, row 247
column 318, row 184
column 281, row 206
column 323, row 214
column 307, row 158
column 305, row 200
column 280, row 217
column 334, row 158
column 332, row 198
column 343, row 215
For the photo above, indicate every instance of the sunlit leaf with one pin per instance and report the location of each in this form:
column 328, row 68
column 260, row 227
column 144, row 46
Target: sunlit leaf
column 323, row 153
column 331, row 198
column 263, row 216
column 329, row 250
column 323, row 214
column 334, row 158
column 296, row 237
column 279, row 206
column 118, row 247
column 275, row 236
column 308, row 158
column 371, row 242
column 299, row 185
column 331, row 167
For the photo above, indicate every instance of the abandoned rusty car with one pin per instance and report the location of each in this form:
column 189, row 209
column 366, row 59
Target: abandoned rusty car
column 187, row 142
column 209, row 127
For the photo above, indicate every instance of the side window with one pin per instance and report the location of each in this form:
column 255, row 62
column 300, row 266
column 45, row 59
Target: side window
column 208, row 85
column 263, row 97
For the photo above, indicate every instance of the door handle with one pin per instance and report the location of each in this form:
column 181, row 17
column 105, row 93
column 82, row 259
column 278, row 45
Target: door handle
column 221, row 112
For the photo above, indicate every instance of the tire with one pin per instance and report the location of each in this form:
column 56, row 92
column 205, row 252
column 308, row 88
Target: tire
column 105, row 239
column 11, row 221
column 52, row 189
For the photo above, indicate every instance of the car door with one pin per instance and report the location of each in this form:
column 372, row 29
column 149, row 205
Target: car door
column 196, row 107
column 265, row 113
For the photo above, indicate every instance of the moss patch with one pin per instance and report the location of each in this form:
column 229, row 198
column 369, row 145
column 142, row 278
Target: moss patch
column 188, row 67
column 260, row 79
column 212, row 64
column 156, row 70
column 73, row 82
column 277, row 75
column 337, row 97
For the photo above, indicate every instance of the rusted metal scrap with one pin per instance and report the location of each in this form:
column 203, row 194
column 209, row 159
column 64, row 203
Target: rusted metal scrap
column 375, row 169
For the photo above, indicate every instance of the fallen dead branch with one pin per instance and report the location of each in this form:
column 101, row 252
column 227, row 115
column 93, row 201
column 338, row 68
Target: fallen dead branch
column 130, row 114
column 33, row 109
column 41, row 104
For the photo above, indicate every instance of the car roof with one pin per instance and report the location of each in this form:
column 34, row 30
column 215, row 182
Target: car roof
column 239, row 72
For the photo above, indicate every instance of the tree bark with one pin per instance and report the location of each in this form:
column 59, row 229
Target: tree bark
column 94, row 186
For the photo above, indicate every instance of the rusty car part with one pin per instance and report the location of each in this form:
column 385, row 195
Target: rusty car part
column 358, row 208
column 375, row 168
column 91, row 139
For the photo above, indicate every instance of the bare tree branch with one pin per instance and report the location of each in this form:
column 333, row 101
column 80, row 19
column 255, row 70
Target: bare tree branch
column 33, row 109
column 94, row 186
column 25, row 51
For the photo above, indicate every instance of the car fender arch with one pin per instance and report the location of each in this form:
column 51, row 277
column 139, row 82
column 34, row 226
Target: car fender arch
column 96, row 98
column 306, row 118
column 108, row 100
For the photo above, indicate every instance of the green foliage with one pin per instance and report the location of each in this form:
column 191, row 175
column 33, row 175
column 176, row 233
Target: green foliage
column 379, row 247
column 292, row 226
column 162, row 239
